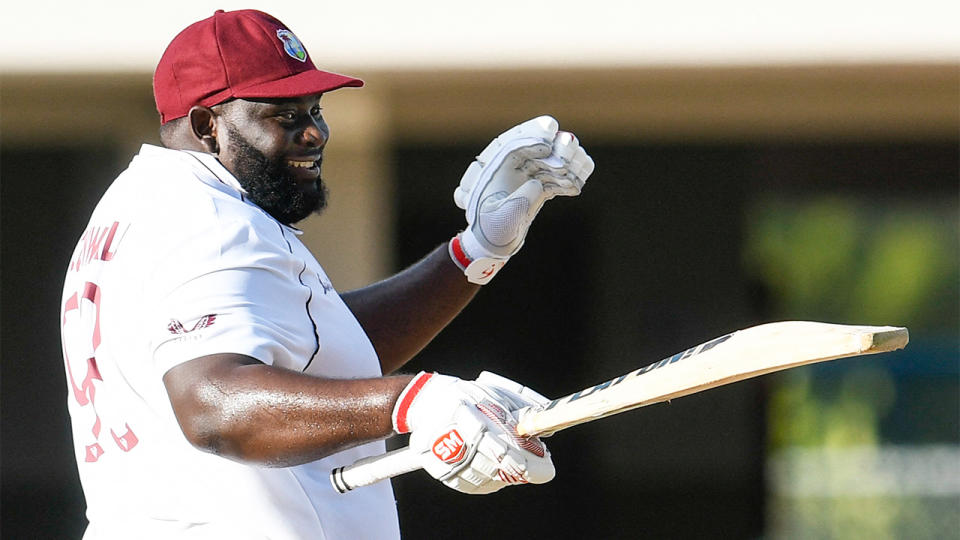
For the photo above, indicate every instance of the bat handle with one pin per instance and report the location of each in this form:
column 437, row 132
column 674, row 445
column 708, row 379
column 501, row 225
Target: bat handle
column 373, row 469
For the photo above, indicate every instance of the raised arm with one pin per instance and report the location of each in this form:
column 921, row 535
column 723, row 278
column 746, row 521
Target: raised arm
column 402, row 314
column 235, row 406
column 501, row 193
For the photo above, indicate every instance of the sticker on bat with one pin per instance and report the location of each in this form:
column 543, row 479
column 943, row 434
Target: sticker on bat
column 692, row 351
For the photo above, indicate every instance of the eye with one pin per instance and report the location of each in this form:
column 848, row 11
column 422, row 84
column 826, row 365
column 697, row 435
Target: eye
column 316, row 110
column 288, row 115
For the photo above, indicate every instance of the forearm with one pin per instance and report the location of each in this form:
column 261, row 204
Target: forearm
column 402, row 314
column 257, row 413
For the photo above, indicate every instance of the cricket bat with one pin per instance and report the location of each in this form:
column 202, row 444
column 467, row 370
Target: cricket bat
column 733, row 357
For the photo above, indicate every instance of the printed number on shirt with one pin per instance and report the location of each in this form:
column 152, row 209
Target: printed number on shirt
column 80, row 328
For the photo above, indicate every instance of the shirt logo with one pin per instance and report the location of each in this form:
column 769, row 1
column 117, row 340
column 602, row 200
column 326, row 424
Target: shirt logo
column 176, row 327
column 292, row 45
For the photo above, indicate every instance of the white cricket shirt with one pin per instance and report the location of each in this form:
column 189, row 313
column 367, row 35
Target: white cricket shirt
column 175, row 264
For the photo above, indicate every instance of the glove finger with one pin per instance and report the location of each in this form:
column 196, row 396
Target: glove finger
column 515, row 392
column 492, row 379
column 512, row 400
column 525, row 147
column 461, row 195
column 559, row 182
column 531, row 467
column 478, row 392
column 479, row 478
column 543, row 127
column 490, row 445
column 531, row 149
column 581, row 165
column 536, row 398
column 557, row 187
column 539, row 470
column 567, row 156
column 514, row 468
column 527, row 159
column 551, row 165
column 540, row 131
column 482, row 469
column 565, row 145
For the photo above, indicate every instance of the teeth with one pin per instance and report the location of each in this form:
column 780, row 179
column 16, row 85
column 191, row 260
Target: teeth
column 301, row 164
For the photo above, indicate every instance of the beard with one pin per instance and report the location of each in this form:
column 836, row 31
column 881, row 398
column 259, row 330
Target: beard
column 271, row 186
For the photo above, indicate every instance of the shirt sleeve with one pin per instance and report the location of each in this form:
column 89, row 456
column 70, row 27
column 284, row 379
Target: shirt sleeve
column 230, row 288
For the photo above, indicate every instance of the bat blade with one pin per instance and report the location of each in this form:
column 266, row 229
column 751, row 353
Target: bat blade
column 727, row 359
column 730, row 358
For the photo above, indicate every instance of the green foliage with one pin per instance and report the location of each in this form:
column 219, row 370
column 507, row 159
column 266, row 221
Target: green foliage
column 833, row 413
column 845, row 260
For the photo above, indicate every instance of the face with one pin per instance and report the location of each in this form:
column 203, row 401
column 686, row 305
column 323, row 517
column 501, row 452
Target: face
column 275, row 149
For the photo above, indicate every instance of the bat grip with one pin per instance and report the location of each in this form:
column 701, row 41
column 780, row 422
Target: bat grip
column 373, row 469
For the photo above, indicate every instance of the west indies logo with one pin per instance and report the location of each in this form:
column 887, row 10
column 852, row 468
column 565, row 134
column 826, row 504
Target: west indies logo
column 292, row 45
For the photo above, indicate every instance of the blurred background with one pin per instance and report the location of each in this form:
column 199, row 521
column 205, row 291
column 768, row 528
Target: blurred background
column 756, row 161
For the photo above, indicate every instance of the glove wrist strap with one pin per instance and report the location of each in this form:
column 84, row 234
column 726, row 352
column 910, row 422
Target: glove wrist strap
column 478, row 269
column 402, row 407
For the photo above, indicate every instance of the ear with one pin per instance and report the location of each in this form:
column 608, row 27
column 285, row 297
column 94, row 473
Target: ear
column 203, row 125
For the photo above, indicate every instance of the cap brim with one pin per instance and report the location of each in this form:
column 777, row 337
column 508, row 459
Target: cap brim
column 304, row 83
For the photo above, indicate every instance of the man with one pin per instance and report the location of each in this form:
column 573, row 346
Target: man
column 215, row 376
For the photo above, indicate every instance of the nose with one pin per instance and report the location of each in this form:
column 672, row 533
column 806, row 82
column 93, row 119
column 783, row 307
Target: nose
column 315, row 134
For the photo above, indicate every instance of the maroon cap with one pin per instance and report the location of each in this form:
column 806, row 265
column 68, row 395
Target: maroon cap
column 244, row 54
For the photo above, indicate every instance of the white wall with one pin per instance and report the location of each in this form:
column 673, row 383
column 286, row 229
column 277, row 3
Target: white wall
column 55, row 35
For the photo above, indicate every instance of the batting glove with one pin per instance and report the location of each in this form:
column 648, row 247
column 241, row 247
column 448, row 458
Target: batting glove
column 511, row 393
column 504, row 189
column 467, row 438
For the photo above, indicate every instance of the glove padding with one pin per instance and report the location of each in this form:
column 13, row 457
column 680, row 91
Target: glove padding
column 466, row 434
column 504, row 189
column 511, row 393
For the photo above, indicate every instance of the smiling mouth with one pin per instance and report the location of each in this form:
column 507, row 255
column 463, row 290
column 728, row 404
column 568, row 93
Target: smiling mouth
column 301, row 164
column 305, row 171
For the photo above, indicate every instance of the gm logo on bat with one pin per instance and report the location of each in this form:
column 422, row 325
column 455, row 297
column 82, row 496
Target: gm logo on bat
column 449, row 448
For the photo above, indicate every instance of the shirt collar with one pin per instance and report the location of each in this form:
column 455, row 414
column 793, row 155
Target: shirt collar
column 210, row 171
column 219, row 172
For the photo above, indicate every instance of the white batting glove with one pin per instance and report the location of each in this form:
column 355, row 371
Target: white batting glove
column 511, row 393
column 519, row 398
column 430, row 399
column 504, row 189
column 467, row 438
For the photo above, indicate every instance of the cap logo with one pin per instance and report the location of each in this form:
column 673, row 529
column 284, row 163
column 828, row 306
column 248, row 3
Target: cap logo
column 292, row 45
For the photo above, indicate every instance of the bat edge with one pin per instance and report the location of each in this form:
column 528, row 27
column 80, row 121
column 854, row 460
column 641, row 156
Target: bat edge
column 873, row 340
